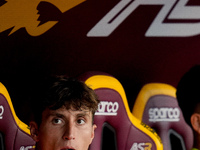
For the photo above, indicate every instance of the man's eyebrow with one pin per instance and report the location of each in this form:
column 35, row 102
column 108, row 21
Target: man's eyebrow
column 56, row 114
column 83, row 113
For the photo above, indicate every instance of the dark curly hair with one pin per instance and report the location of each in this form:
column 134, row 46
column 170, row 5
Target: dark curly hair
column 60, row 91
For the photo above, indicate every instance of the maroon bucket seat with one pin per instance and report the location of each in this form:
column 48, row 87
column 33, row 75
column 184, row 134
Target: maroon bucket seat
column 157, row 106
column 15, row 135
column 113, row 110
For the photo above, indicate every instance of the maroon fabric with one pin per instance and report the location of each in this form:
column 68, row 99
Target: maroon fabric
column 14, row 137
column 114, row 113
column 127, row 134
column 163, row 114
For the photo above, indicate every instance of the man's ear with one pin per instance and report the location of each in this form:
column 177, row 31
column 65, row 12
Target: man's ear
column 34, row 131
column 93, row 129
column 195, row 121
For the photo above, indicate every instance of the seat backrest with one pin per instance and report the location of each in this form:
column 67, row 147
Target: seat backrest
column 15, row 135
column 157, row 106
column 130, row 133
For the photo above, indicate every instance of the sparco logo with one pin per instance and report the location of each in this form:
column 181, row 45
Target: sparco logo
column 107, row 108
column 184, row 19
column 164, row 114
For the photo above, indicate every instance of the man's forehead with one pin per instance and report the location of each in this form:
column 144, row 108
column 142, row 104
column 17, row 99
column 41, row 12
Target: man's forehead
column 72, row 110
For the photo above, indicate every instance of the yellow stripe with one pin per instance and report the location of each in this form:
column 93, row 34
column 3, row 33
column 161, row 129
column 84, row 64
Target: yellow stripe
column 148, row 91
column 21, row 125
column 102, row 81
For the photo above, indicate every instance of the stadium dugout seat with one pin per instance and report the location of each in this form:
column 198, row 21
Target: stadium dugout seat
column 157, row 106
column 114, row 113
column 14, row 134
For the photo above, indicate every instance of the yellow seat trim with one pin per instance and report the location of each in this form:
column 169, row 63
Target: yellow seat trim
column 103, row 81
column 148, row 91
column 20, row 124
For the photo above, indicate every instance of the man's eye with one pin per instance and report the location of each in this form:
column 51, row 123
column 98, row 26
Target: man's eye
column 80, row 121
column 57, row 121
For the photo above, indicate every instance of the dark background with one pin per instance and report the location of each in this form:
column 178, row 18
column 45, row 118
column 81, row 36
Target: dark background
column 65, row 49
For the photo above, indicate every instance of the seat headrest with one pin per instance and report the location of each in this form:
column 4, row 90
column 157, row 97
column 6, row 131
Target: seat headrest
column 114, row 110
column 15, row 133
column 157, row 106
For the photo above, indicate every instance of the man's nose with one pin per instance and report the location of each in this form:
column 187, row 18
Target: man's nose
column 69, row 133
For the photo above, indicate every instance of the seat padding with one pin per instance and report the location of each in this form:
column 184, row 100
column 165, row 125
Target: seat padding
column 157, row 106
column 114, row 110
column 15, row 133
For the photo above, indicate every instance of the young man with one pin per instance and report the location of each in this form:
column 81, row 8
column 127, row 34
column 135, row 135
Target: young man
column 188, row 95
column 63, row 117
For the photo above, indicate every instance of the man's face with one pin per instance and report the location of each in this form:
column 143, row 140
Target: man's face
column 64, row 129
